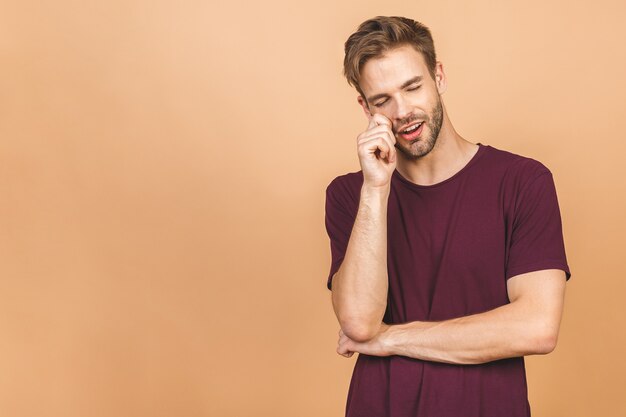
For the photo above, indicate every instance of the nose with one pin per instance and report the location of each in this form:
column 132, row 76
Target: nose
column 402, row 109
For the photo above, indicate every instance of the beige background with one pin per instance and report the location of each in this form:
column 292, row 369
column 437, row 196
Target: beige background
column 162, row 177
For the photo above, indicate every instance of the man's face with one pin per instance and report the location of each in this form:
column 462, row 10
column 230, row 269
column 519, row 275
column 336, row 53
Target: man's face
column 399, row 86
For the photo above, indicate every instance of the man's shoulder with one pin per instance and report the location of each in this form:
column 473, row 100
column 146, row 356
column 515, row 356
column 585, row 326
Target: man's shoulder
column 515, row 166
column 348, row 182
column 345, row 191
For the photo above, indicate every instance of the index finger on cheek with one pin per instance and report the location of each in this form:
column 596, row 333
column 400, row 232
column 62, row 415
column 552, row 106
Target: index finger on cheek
column 381, row 119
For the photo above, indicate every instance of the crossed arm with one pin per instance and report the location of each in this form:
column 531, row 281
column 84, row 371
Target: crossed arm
column 528, row 325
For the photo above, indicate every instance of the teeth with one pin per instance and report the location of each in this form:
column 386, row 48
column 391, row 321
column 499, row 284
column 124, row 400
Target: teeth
column 412, row 128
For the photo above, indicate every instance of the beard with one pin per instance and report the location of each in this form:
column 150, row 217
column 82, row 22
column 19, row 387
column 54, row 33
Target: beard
column 422, row 146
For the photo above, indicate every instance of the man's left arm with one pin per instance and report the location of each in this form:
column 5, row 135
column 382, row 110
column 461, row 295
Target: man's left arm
column 528, row 325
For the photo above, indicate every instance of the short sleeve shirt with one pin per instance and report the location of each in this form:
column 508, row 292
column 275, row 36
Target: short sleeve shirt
column 451, row 247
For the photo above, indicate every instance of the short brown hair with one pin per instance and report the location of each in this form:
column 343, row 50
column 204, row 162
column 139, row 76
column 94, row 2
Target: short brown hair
column 380, row 34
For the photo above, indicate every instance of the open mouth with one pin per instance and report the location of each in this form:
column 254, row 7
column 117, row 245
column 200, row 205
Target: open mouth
column 412, row 132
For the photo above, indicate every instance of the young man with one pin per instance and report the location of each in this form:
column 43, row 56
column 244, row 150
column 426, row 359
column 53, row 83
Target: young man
column 448, row 260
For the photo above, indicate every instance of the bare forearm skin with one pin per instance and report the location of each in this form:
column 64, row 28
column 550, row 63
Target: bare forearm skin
column 503, row 332
column 359, row 288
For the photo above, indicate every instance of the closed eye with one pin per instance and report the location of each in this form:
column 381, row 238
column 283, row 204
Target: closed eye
column 382, row 103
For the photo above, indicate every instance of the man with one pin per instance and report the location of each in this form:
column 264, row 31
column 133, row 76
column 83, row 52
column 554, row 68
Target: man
column 448, row 260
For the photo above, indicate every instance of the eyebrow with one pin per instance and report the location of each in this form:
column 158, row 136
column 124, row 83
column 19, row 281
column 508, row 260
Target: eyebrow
column 405, row 84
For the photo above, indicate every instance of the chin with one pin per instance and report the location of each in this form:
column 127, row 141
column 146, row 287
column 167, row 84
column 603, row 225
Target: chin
column 417, row 149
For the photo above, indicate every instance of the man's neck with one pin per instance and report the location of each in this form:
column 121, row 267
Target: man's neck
column 449, row 155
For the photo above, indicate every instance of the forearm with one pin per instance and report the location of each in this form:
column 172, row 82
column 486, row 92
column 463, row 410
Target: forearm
column 360, row 286
column 504, row 332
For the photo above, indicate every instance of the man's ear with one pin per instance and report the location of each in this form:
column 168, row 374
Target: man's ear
column 365, row 107
column 442, row 81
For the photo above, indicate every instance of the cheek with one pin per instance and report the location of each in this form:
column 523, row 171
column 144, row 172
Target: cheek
column 384, row 110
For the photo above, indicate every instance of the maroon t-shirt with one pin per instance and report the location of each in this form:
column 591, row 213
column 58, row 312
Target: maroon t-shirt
column 451, row 248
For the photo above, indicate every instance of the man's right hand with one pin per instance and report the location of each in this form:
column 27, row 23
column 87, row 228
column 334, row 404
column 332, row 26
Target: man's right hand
column 377, row 154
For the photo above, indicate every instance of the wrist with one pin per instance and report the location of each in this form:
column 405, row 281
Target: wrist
column 379, row 191
column 390, row 339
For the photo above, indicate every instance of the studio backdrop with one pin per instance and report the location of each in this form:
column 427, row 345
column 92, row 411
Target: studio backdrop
column 162, row 177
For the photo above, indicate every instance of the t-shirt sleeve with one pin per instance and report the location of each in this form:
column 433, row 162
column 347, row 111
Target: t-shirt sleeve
column 536, row 240
column 339, row 222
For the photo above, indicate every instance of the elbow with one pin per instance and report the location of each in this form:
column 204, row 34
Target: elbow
column 541, row 336
column 359, row 332
column 548, row 345
column 545, row 343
